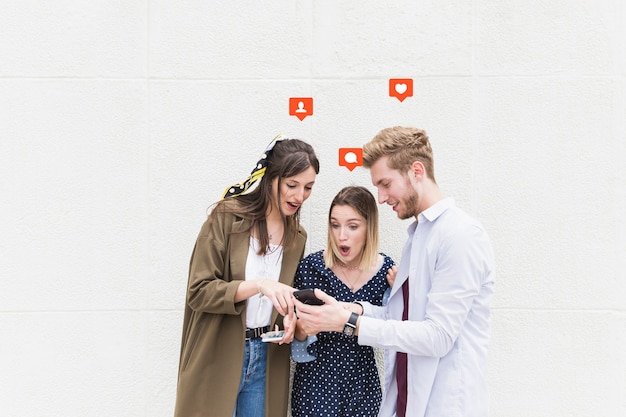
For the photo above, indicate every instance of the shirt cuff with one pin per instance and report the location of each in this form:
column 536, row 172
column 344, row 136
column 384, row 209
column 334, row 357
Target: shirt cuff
column 299, row 350
column 367, row 307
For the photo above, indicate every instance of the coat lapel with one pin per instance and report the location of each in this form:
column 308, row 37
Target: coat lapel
column 238, row 250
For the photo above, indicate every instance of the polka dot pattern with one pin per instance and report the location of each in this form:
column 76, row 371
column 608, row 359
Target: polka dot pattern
column 343, row 379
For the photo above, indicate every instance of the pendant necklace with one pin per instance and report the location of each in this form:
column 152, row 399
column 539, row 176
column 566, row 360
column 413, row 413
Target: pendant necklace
column 351, row 284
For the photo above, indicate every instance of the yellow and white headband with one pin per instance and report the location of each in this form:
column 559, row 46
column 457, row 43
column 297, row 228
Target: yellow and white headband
column 256, row 174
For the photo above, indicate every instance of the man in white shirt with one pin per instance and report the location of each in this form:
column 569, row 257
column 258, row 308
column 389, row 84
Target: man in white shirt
column 436, row 325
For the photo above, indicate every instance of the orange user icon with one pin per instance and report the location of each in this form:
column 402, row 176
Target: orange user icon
column 301, row 107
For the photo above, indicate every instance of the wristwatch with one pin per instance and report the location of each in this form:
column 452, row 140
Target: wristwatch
column 350, row 327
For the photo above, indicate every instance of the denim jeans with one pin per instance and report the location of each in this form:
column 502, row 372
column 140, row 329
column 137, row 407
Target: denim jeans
column 251, row 395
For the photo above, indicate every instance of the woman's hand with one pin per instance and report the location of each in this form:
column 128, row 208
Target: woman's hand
column 391, row 275
column 289, row 321
column 279, row 294
column 300, row 334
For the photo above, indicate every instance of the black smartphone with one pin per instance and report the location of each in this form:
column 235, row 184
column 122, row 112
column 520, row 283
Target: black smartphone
column 308, row 297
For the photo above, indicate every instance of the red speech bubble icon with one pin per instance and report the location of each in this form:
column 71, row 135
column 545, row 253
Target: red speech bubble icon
column 400, row 88
column 300, row 107
column 350, row 157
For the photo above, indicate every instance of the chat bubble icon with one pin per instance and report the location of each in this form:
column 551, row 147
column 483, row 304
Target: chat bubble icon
column 401, row 88
column 301, row 107
column 350, row 157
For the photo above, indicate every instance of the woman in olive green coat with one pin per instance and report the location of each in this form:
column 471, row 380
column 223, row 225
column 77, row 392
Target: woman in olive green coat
column 239, row 287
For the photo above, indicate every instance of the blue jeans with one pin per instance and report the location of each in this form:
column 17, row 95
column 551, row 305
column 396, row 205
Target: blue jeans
column 251, row 395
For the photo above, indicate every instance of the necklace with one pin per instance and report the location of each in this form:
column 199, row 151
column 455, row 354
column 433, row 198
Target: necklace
column 351, row 284
column 277, row 231
column 270, row 237
column 350, row 268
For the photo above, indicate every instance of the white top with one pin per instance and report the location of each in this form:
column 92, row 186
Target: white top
column 259, row 310
column 450, row 266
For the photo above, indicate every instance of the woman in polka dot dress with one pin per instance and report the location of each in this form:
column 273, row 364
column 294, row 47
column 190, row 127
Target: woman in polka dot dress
column 334, row 375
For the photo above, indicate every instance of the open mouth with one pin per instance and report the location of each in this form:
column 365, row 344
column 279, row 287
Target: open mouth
column 344, row 250
column 293, row 206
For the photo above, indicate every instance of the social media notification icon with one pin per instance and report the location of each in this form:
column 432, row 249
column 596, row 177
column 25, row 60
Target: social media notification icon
column 350, row 157
column 401, row 88
column 301, row 107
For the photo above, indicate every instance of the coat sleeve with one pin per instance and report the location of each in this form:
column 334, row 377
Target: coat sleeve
column 210, row 288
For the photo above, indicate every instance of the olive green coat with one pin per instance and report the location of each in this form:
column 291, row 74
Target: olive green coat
column 211, row 357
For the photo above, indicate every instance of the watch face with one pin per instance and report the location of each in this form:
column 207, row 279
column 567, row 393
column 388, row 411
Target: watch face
column 348, row 330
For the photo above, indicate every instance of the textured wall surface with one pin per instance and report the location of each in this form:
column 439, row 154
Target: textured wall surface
column 122, row 121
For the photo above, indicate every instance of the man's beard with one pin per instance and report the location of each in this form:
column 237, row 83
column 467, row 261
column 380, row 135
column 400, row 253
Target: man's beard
column 410, row 204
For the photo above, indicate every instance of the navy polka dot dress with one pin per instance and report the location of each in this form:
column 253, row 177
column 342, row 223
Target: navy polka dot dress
column 343, row 379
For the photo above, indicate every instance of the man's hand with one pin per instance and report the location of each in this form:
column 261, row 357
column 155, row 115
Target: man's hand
column 330, row 317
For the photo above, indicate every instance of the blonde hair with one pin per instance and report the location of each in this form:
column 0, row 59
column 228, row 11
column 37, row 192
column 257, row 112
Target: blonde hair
column 403, row 146
column 364, row 203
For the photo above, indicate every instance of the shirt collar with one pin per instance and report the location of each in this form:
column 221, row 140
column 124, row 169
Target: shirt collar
column 434, row 211
column 431, row 213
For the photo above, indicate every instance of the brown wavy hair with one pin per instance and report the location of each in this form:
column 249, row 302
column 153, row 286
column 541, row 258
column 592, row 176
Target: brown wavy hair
column 403, row 146
column 288, row 158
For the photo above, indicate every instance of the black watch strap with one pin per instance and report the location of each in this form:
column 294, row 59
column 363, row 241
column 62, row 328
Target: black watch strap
column 350, row 327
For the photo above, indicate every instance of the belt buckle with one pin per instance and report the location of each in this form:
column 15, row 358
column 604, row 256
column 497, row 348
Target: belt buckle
column 256, row 333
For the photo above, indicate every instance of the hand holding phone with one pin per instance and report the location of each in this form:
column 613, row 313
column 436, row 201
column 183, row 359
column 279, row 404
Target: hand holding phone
column 307, row 296
column 273, row 336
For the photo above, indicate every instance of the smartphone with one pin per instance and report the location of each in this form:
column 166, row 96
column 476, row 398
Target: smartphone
column 273, row 336
column 308, row 297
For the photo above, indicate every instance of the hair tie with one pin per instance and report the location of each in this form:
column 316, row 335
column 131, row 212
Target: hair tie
column 257, row 172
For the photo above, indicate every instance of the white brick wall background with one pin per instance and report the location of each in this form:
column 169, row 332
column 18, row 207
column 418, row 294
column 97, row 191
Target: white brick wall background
column 122, row 121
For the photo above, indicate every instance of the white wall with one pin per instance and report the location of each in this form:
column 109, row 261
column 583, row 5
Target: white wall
column 122, row 121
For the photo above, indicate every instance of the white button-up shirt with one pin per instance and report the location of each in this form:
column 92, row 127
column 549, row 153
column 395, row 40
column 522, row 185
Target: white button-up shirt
column 450, row 266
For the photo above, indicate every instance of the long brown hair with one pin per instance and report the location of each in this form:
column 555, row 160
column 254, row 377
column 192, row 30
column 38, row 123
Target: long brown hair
column 288, row 158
